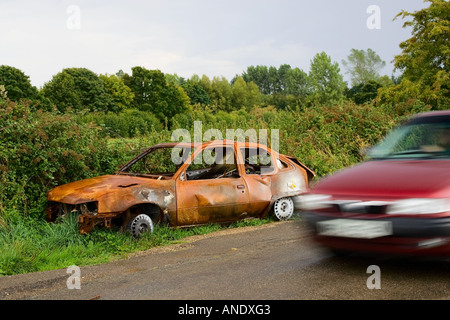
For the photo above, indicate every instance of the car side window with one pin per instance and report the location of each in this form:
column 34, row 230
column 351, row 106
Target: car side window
column 213, row 163
column 257, row 161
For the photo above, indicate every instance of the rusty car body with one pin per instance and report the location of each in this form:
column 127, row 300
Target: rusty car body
column 186, row 184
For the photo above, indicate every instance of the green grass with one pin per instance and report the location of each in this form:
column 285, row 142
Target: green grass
column 28, row 245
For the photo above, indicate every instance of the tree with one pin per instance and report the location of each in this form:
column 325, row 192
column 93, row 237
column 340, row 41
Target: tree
column 297, row 83
column 364, row 92
column 153, row 93
column 120, row 74
column 282, row 87
column 425, row 58
column 275, row 83
column 260, row 76
column 327, row 84
column 78, row 89
column 196, row 92
column 363, row 66
column 174, row 79
column 270, row 80
column 221, row 93
column 244, row 95
column 17, row 84
column 121, row 94
column 206, row 84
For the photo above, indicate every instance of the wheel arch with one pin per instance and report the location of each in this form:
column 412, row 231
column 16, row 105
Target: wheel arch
column 151, row 209
column 270, row 207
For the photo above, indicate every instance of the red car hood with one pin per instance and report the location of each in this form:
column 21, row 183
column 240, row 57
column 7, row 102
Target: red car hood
column 387, row 179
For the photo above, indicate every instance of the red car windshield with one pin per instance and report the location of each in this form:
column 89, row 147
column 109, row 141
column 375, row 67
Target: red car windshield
column 423, row 137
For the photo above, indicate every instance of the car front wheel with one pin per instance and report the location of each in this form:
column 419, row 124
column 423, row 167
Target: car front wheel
column 139, row 225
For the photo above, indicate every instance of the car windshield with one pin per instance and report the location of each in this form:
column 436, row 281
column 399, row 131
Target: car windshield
column 423, row 137
column 157, row 162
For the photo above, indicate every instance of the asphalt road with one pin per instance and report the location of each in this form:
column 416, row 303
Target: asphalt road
column 278, row 261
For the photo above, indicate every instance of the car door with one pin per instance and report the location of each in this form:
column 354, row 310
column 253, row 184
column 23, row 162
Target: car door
column 259, row 168
column 211, row 188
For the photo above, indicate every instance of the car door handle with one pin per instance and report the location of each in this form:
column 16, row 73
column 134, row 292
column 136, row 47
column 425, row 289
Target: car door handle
column 241, row 186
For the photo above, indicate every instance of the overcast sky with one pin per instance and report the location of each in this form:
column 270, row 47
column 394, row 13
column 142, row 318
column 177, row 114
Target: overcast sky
column 186, row 37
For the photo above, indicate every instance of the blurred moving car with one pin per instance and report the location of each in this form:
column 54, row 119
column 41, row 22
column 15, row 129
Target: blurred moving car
column 397, row 202
column 184, row 184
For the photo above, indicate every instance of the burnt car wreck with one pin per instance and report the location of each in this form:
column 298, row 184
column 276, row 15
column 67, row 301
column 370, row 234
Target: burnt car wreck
column 183, row 184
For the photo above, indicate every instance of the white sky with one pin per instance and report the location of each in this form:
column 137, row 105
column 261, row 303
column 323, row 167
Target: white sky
column 186, row 37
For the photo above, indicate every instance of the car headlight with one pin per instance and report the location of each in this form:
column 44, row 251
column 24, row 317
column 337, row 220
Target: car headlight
column 88, row 208
column 313, row 202
column 418, row 206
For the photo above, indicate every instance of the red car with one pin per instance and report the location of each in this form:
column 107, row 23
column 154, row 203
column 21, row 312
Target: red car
column 397, row 202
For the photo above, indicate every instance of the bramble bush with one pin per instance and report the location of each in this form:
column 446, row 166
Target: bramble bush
column 127, row 124
column 326, row 138
column 41, row 149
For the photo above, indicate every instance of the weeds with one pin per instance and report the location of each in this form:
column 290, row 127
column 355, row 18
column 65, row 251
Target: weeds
column 28, row 245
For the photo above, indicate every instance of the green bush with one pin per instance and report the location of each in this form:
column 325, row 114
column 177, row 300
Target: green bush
column 127, row 124
column 326, row 138
column 39, row 150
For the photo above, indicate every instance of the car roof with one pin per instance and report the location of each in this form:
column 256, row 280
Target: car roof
column 432, row 113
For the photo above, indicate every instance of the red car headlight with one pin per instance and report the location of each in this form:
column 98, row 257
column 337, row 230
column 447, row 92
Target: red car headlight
column 314, row 202
column 418, row 206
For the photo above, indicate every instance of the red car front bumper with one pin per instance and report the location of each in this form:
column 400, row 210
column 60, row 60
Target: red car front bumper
column 410, row 237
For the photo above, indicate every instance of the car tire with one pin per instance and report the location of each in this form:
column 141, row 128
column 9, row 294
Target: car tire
column 283, row 208
column 140, row 225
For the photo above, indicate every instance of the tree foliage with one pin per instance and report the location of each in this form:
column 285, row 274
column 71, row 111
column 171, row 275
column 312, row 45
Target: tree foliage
column 363, row 66
column 364, row 92
column 244, row 95
column 284, row 80
column 78, row 89
column 326, row 82
column 220, row 93
column 153, row 93
column 17, row 84
column 196, row 92
column 425, row 58
column 121, row 95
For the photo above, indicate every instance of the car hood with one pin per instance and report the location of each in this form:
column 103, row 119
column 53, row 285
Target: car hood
column 94, row 188
column 390, row 179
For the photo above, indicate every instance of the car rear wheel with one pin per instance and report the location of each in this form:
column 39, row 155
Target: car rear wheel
column 283, row 208
column 140, row 225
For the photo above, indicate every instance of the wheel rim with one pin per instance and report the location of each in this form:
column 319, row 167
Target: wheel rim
column 284, row 208
column 140, row 225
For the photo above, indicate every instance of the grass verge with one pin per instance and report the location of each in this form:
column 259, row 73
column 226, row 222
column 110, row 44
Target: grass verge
column 28, row 245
